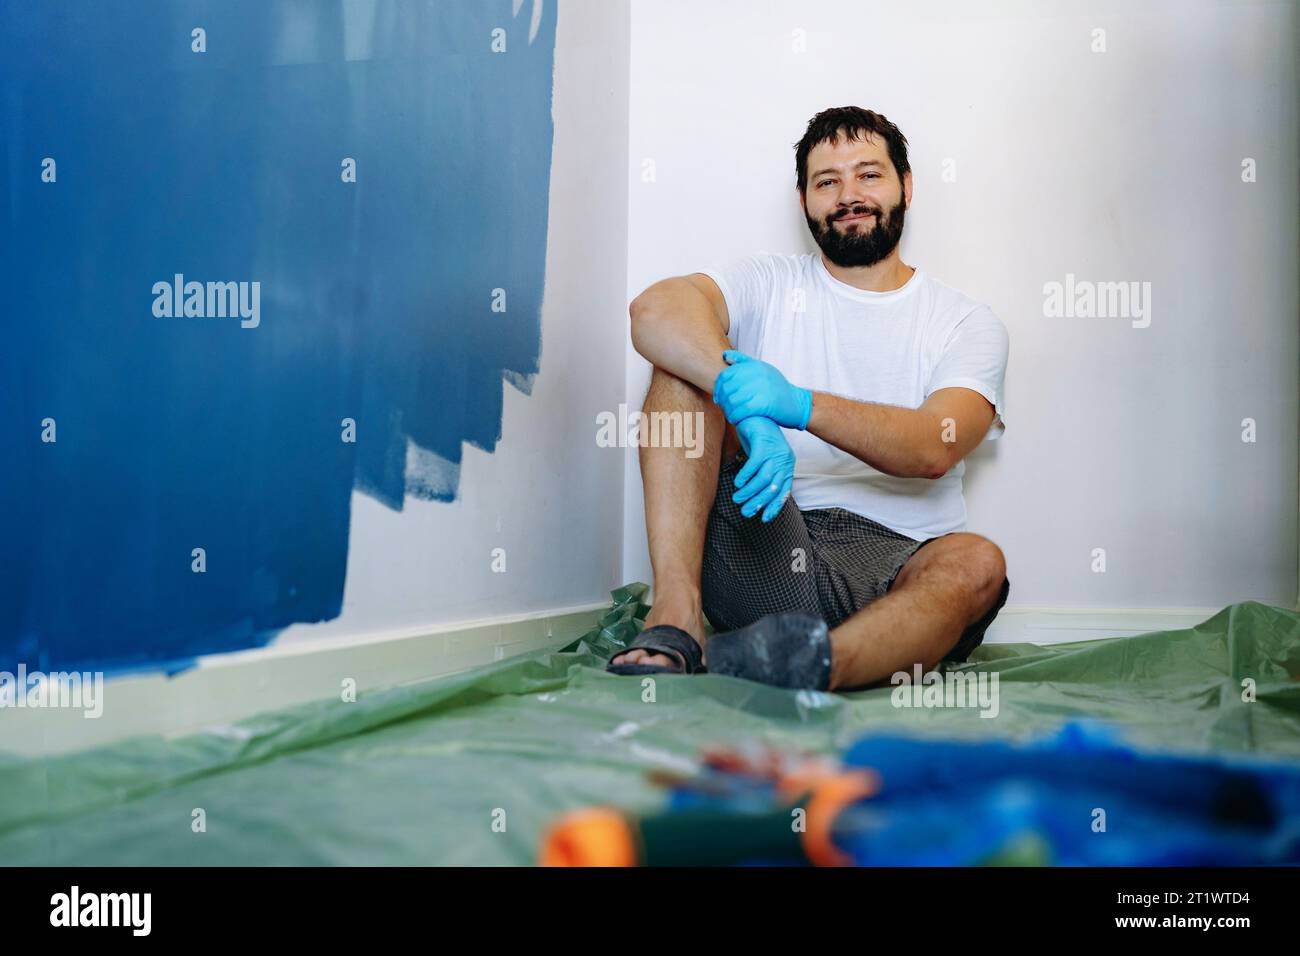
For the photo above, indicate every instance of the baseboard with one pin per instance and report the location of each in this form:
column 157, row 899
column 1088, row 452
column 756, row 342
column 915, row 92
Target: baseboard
column 225, row 688
column 1060, row 625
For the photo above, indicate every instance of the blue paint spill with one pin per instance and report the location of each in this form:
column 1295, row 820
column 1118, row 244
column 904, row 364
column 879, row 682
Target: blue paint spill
column 185, row 432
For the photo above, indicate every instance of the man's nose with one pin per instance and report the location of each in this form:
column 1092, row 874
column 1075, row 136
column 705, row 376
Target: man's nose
column 853, row 194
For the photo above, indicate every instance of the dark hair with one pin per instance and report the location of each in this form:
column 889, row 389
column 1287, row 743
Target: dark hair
column 855, row 123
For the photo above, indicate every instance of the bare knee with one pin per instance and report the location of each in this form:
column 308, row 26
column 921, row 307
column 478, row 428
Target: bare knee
column 981, row 566
column 970, row 560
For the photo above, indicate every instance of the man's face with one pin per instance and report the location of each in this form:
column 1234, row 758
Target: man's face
column 854, row 201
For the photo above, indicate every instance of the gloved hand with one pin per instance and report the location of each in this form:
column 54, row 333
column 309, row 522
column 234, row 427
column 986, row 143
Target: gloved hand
column 766, row 478
column 750, row 386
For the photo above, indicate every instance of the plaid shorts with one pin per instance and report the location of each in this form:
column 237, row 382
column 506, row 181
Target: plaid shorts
column 827, row 561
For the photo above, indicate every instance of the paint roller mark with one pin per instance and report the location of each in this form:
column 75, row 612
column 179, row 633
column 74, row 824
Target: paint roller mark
column 181, row 433
column 536, row 20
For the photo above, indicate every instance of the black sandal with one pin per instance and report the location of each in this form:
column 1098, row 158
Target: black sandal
column 663, row 639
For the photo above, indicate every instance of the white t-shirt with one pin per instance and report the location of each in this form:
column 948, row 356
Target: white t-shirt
column 893, row 348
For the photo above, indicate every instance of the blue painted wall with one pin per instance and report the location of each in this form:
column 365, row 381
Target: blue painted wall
column 176, row 433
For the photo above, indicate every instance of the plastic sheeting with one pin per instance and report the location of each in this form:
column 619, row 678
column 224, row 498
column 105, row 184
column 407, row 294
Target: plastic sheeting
column 470, row 769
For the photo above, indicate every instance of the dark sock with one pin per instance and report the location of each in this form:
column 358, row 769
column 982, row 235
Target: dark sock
column 790, row 649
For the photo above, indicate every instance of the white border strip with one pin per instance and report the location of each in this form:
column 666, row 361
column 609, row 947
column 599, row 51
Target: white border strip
column 226, row 688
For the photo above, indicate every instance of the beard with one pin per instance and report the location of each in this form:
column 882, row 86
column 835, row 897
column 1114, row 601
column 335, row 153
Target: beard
column 864, row 244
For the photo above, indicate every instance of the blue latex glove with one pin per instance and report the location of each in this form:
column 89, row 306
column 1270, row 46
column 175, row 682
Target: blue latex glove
column 765, row 480
column 750, row 386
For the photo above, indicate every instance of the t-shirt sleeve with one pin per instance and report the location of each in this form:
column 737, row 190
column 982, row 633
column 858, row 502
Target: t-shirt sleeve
column 746, row 284
column 975, row 357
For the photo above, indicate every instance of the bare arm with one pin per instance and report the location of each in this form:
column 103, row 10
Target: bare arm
column 680, row 325
column 923, row 442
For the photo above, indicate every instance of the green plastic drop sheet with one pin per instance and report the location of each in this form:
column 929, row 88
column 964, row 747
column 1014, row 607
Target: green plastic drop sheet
column 418, row 774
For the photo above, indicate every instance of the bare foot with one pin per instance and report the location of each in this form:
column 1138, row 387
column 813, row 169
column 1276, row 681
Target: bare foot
column 690, row 621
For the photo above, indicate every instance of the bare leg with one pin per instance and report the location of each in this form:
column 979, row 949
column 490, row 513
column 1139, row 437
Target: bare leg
column 678, row 496
column 949, row 584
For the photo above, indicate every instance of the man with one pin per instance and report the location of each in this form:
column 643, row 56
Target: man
column 852, row 381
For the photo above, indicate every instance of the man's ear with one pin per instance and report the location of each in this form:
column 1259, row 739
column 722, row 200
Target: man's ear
column 907, row 189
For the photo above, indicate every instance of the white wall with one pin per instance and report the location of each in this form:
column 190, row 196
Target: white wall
column 548, row 495
column 1115, row 166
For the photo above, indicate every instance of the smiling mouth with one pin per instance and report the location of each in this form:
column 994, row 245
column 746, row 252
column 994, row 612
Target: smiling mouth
column 855, row 218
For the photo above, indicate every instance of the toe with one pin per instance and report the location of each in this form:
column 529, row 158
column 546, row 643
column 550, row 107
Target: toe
column 639, row 656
